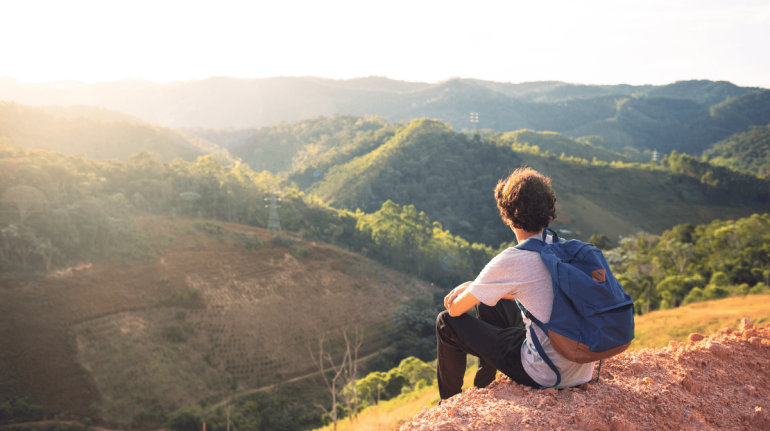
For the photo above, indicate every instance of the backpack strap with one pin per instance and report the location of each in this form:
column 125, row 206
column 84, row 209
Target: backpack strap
column 539, row 346
column 536, row 244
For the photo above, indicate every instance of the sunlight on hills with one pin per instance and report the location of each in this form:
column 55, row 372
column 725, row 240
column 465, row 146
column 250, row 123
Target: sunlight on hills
column 657, row 328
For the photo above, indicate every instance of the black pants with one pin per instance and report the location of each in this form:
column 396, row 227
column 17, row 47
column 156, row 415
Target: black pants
column 495, row 338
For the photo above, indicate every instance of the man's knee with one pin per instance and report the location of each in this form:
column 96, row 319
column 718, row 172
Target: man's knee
column 442, row 319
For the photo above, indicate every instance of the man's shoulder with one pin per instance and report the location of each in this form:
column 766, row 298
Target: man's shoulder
column 514, row 257
column 516, row 253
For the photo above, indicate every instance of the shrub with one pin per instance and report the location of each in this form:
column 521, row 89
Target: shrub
column 18, row 407
column 252, row 242
column 211, row 228
column 601, row 241
column 715, row 292
column 187, row 418
column 174, row 333
column 282, row 240
column 719, row 279
column 299, row 251
column 695, row 295
column 742, row 289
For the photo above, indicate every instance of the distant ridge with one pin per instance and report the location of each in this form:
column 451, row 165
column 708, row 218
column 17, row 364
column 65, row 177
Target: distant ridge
column 97, row 132
column 674, row 116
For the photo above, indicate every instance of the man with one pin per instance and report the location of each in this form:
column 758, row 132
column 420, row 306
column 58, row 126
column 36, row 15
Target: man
column 500, row 336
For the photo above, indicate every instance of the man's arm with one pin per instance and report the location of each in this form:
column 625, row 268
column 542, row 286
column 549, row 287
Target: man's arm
column 462, row 304
column 458, row 302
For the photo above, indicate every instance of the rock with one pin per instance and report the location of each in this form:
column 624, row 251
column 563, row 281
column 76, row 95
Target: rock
column 549, row 391
column 636, row 367
column 647, row 380
column 694, row 338
column 595, row 422
column 755, row 342
column 750, row 390
column 585, row 386
column 673, row 343
column 718, row 350
column 691, row 385
column 746, row 324
column 547, row 401
column 553, row 422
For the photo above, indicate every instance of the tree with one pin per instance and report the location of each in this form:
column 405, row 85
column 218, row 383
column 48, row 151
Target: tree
column 26, row 199
column 601, row 241
column 415, row 371
column 187, row 418
column 350, row 394
column 333, row 385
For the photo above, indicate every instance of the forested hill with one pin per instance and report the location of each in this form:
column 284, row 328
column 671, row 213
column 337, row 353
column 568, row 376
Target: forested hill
column 748, row 151
column 451, row 178
column 98, row 133
column 675, row 116
column 305, row 149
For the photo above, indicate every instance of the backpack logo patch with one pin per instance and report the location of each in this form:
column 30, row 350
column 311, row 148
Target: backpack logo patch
column 598, row 275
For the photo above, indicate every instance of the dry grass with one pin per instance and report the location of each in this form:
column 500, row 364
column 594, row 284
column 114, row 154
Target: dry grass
column 657, row 328
column 389, row 415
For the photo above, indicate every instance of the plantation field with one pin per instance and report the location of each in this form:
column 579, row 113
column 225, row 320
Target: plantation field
column 206, row 317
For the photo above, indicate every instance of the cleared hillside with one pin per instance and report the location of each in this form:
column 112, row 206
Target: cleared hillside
column 126, row 343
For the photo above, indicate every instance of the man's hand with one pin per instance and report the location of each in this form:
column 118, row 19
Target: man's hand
column 449, row 299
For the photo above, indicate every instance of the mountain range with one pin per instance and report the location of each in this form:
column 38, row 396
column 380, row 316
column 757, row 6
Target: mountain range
column 686, row 116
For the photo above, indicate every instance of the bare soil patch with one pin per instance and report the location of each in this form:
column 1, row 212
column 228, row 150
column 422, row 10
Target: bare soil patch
column 716, row 382
column 126, row 341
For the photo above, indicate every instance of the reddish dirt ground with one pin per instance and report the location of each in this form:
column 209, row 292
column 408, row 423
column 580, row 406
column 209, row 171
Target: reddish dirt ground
column 719, row 382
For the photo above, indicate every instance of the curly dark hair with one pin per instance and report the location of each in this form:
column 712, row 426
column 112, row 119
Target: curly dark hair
column 526, row 200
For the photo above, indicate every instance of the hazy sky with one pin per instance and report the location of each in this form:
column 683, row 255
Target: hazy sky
column 588, row 42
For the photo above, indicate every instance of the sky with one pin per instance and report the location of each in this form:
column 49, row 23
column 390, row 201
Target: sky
column 589, row 42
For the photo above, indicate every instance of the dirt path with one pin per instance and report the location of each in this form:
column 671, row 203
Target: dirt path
column 295, row 379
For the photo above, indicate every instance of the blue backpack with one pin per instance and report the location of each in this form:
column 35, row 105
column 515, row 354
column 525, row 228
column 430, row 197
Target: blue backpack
column 592, row 316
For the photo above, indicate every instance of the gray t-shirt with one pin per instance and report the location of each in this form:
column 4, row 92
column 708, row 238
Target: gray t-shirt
column 522, row 274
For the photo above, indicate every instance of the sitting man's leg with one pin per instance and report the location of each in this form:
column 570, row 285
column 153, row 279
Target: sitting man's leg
column 497, row 347
column 505, row 314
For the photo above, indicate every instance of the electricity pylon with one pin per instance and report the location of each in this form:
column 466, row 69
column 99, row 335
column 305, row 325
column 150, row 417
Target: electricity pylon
column 273, row 224
column 474, row 120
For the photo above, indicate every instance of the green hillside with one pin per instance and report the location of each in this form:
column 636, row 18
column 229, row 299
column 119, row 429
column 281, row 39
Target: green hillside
column 556, row 143
column 301, row 148
column 98, row 133
column 445, row 174
column 743, row 111
column 748, row 151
